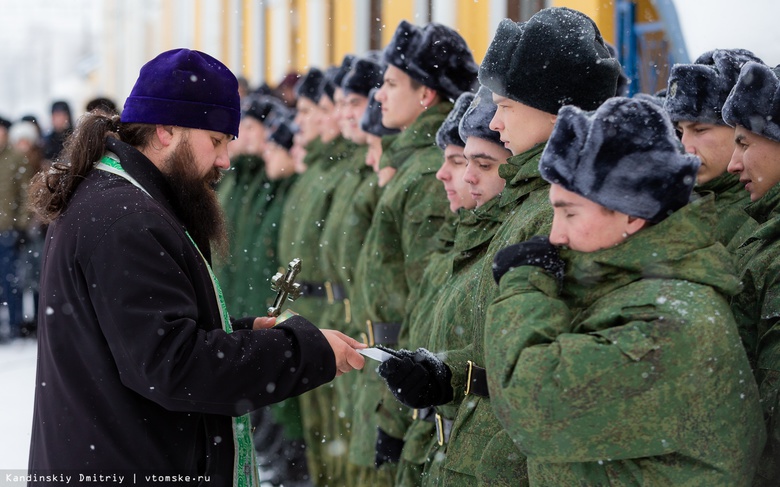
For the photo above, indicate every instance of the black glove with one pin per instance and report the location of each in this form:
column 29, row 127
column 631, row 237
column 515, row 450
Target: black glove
column 417, row 379
column 537, row 251
column 388, row 449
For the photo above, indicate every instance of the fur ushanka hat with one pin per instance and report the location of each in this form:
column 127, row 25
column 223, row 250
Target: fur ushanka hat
column 188, row 89
column 624, row 156
column 310, row 85
column 434, row 55
column 696, row 92
column 365, row 75
column 448, row 132
column 371, row 122
column 556, row 58
column 754, row 102
column 476, row 121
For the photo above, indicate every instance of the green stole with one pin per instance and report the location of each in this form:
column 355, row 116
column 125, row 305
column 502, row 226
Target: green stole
column 245, row 472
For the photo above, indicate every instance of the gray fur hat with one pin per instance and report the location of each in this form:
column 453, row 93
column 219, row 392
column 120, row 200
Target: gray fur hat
column 434, row 55
column 448, row 132
column 476, row 121
column 283, row 134
column 556, row 58
column 310, row 85
column 754, row 102
column 371, row 122
column 696, row 92
column 624, row 156
column 365, row 75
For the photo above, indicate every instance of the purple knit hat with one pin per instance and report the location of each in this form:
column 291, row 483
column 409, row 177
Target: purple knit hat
column 188, row 89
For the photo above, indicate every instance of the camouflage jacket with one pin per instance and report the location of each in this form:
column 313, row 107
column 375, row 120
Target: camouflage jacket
column 313, row 196
column 408, row 214
column 399, row 241
column 236, row 192
column 478, row 447
column 15, row 175
column 633, row 374
column 757, row 311
column 734, row 225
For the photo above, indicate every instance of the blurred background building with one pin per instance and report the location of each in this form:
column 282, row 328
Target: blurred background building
column 79, row 49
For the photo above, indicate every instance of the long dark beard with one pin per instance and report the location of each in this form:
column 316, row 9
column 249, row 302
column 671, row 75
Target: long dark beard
column 195, row 200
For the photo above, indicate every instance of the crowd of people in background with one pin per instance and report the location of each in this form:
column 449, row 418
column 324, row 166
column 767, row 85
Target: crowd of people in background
column 572, row 286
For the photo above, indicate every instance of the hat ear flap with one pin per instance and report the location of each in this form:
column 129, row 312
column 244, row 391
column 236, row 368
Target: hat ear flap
column 561, row 156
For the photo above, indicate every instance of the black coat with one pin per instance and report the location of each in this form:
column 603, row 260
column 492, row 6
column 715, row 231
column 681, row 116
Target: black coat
column 135, row 374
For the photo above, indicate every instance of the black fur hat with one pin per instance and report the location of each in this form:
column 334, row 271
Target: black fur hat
column 371, row 122
column 310, row 85
column 624, row 156
column 448, row 132
column 556, row 58
column 364, row 76
column 476, row 121
column 283, row 135
column 434, row 55
column 696, row 92
column 334, row 76
column 264, row 108
column 754, row 101
column 5, row 123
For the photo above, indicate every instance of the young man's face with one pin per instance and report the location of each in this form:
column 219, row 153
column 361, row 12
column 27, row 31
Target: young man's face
column 353, row 108
column 329, row 123
column 481, row 172
column 585, row 226
column 756, row 160
column 451, row 174
column 308, row 120
column 374, row 153
column 521, row 127
column 712, row 144
column 255, row 134
column 401, row 102
column 278, row 161
column 340, row 106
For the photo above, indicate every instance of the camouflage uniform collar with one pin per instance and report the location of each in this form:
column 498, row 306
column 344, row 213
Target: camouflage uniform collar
column 479, row 225
column 522, row 176
column 767, row 208
column 247, row 163
column 680, row 247
column 389, row 157
column 726, row 182
column 421, row 133
column 338, row 148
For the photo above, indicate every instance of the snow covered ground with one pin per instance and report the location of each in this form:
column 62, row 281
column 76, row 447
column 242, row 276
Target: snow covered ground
column 17, row 388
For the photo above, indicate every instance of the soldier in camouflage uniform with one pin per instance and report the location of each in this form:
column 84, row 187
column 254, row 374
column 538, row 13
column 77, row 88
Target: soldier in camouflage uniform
column 360, row 467
column 752, row 108
column 420, row 432
column 427, row 67
column 617, row 362
column 328, row 158
column 528, row 91
column 357, row 186
column 694, row 99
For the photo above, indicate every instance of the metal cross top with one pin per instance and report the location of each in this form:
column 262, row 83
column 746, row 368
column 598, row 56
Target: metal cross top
column 285, row 287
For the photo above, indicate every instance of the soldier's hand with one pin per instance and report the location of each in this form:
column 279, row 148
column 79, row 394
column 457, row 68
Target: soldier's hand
column 418, row 379
column 263, row 323
column 347, row 358
column 538, row 251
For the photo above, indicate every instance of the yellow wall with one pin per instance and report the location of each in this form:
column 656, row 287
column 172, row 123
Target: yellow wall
column 393, row 12
column 472, row 24
column 343, row 29
column 601, row 11
column 300, row 36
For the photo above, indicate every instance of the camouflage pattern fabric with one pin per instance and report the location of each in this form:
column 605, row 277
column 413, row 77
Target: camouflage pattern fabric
column 757, row 311
column 478, row 451
column 395, row 252
column 634, row 374
column 734, row 225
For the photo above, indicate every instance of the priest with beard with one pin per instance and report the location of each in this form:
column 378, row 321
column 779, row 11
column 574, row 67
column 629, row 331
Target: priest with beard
column 142, row 373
